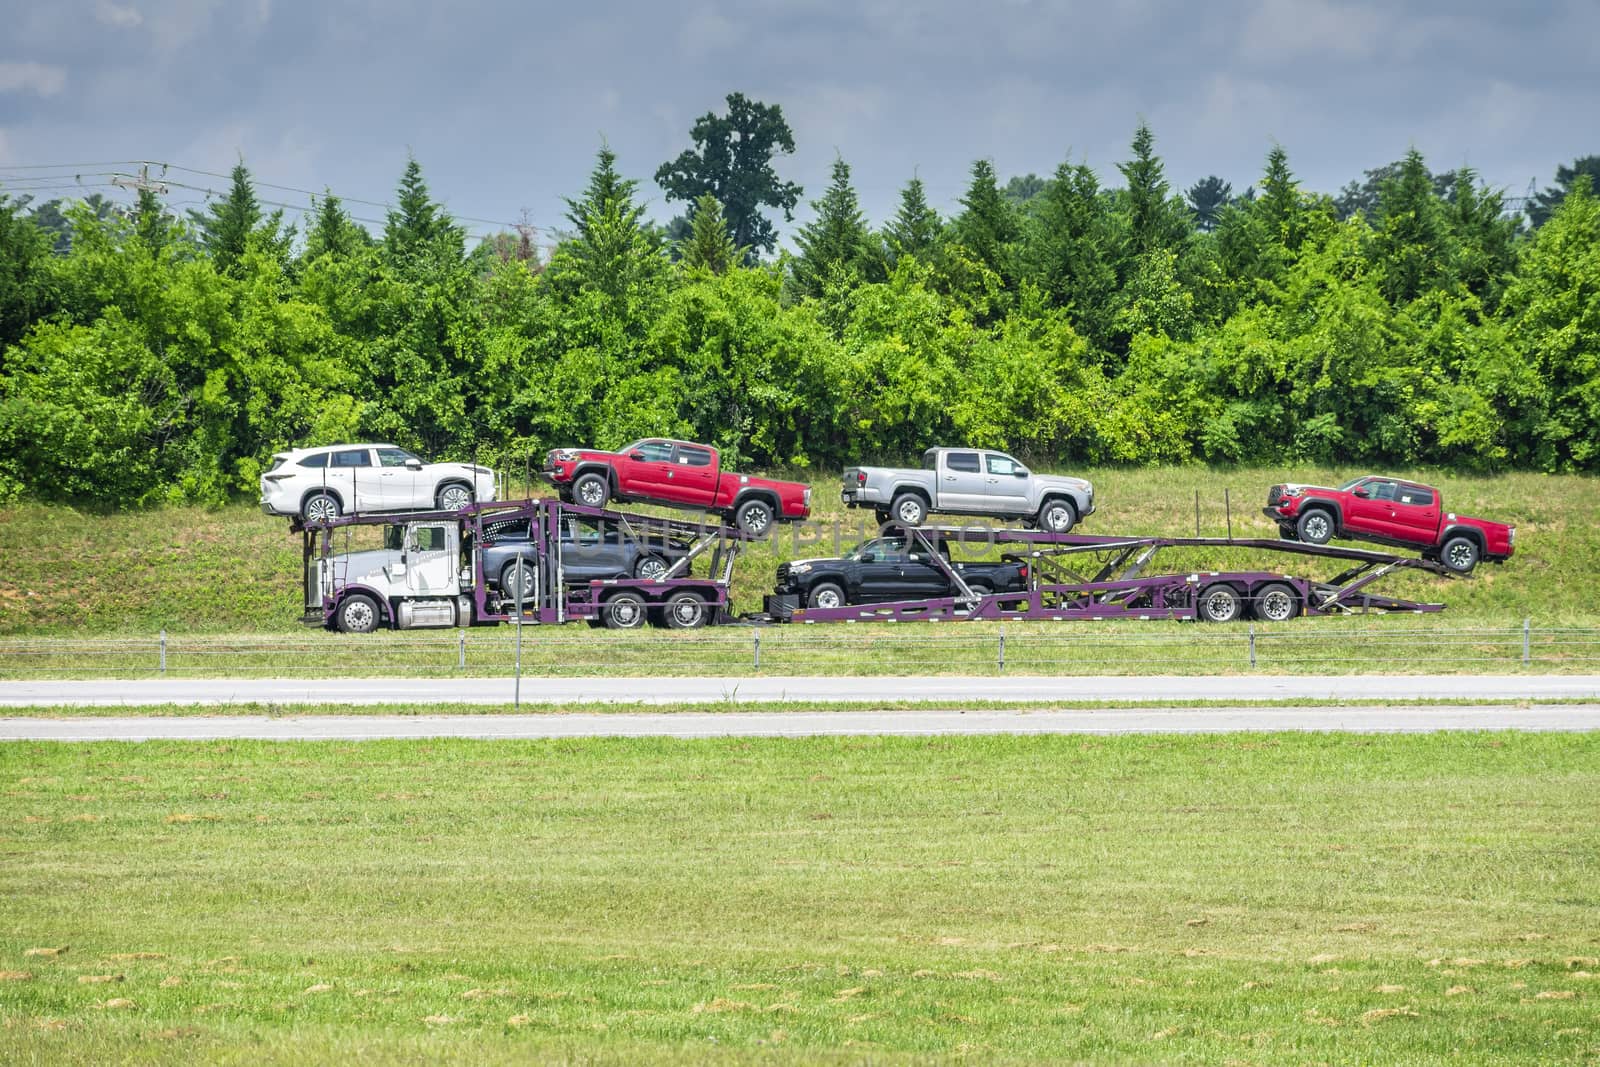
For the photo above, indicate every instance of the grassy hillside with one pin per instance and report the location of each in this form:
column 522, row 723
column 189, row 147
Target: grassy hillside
column 235, row 569
column 1242, row 899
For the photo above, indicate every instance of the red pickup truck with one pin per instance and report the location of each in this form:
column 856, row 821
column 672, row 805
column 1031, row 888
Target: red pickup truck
column 677, row 473
column 1390, row 511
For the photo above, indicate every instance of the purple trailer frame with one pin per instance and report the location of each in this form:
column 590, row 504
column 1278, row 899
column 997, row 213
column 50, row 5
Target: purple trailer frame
column 1117, row 588
column 553, row 602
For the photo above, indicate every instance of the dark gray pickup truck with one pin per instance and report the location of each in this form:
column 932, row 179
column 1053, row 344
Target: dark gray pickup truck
column 886, row 569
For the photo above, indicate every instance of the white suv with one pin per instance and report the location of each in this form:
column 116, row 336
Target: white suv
column 318, row 484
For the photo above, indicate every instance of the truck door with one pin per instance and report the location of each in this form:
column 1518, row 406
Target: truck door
column 350, row 474
column 694, row 475
column 1416, row 514
column 647, row 475
column 880, row 567
column 431, row 560
column 397, row 483
column 960, row 485
column 1371, row 508
column 1007, row 484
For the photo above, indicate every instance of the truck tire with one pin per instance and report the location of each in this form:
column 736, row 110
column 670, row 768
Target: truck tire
column 358, row 614
column 979, row 588
column 1218, row 603
column 625, row 611
column 320, row 507
column 1315, row 526
column 511, row 573
column 684, row 611
column 1276, row 602
column 909, row 508
column 1057, row 516
column 1459, row 554
column 754, row 518
column 651, row 568
column 592, row 490
column 825, row 595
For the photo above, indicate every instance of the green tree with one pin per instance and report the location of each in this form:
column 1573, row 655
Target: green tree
column 1485, row 237
column 1069, row 250
column 988, row 226
column 1206, row 198
column 419, row 226
column 225, row 229
column 612, row 251
column 834, row 246
column 732, row 160
column 709, row 247
column 915, row 229
column 332, row 232
column 1543, row 204
column 1155, row 218
column 151, row 221
column 1414, row 246
column 25, row 283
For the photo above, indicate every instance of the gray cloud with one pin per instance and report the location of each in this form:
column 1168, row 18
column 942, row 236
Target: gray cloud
column 505, row 103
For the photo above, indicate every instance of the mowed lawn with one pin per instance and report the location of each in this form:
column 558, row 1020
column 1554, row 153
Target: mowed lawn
column 1246, row 899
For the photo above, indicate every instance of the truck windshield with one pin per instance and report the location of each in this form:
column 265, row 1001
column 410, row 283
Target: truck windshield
column 1352, row 483
column 880, row 547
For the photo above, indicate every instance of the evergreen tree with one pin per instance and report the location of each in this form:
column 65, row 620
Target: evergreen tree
column 225, row 229
column 24, row 285
column 732, row 160
column 915, row 229
column 1207, row 197
column 418, row 224
column 1413, row 245
column 1542, row 204
column 836, row 243
column 611, row 251
column 332, row 231
column 1155, row 219
column 151, row 222
column 988, row 226
column 1069, row 250
column 1279, row 205
column 709, row 247
column 1485, row 236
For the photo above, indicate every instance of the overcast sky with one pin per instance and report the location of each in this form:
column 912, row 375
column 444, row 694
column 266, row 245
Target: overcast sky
column 505, row 103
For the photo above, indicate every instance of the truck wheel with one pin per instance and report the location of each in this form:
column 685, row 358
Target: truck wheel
column 453, row 497
column 979, row 588
column 1218, row 603
column 684, row 611
column 754, row 517
column 1460, row 554
column 625, row 611
column 514, row 574
column 1315, row 527
column 591, row 490
column 825, row 595
column 909, row 508
column 651, row 568
column 1276, row 603
column 320, row 507
column 357, row 615
column 1058, row 516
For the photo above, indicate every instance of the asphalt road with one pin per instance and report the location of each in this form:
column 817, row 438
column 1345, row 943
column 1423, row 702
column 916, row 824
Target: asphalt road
column 1375, row 719
column 950, row 691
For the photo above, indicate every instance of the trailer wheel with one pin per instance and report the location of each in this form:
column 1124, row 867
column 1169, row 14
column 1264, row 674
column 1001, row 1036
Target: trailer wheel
column 825, row 595
column 591, row 490
column 1276, row 603
column 357, row 615
column 754, row 517
column 1315, row 527
column 1219, row 603
column 625, row 611
column 1058, row 516
column 909, row 508
column 684, row 611
column 1460, row 554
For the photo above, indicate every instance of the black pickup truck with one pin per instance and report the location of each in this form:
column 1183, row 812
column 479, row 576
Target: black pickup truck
column 886, row 569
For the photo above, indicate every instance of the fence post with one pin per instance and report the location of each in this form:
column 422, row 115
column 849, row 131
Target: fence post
column 1002, row 648
column 164, row 651
column 461, row 649
column 756, row 633
column 1527, row 627
column 1252, row 646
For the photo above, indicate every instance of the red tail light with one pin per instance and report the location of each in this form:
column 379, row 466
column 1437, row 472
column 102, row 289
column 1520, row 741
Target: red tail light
column 861, row 477
column 1024, row 572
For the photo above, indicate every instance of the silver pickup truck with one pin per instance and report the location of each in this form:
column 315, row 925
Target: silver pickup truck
column 969, row 481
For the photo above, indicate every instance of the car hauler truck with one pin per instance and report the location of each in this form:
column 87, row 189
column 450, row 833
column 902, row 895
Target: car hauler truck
column 431, row 572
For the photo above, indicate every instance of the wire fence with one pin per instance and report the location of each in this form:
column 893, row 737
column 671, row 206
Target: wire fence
column 1063, row 650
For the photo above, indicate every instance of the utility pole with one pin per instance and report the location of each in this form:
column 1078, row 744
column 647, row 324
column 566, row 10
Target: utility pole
column 142, row 182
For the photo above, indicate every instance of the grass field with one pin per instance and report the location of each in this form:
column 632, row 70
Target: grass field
column 1242, row 899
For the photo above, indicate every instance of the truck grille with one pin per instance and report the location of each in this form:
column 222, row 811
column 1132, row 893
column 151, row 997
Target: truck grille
column 783, row 573
column 1274, row 495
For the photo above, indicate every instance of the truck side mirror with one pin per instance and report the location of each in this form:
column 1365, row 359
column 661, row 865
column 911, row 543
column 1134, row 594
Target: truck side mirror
column 637, row 457
column 1361, row 491
column 1019, row 473
column 413, row 464
column 869, row 557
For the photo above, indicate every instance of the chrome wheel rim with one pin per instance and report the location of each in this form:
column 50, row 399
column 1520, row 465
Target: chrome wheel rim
column 359, row 616
column 686, row 611
column 910, row 512
column 827, row 599
column 521, row 578
column 321, row 509
column 627, row 612
column 454, row 498
column 1056, row 518
column 1276, row 606
column 652, row 570
column 1220, row 606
